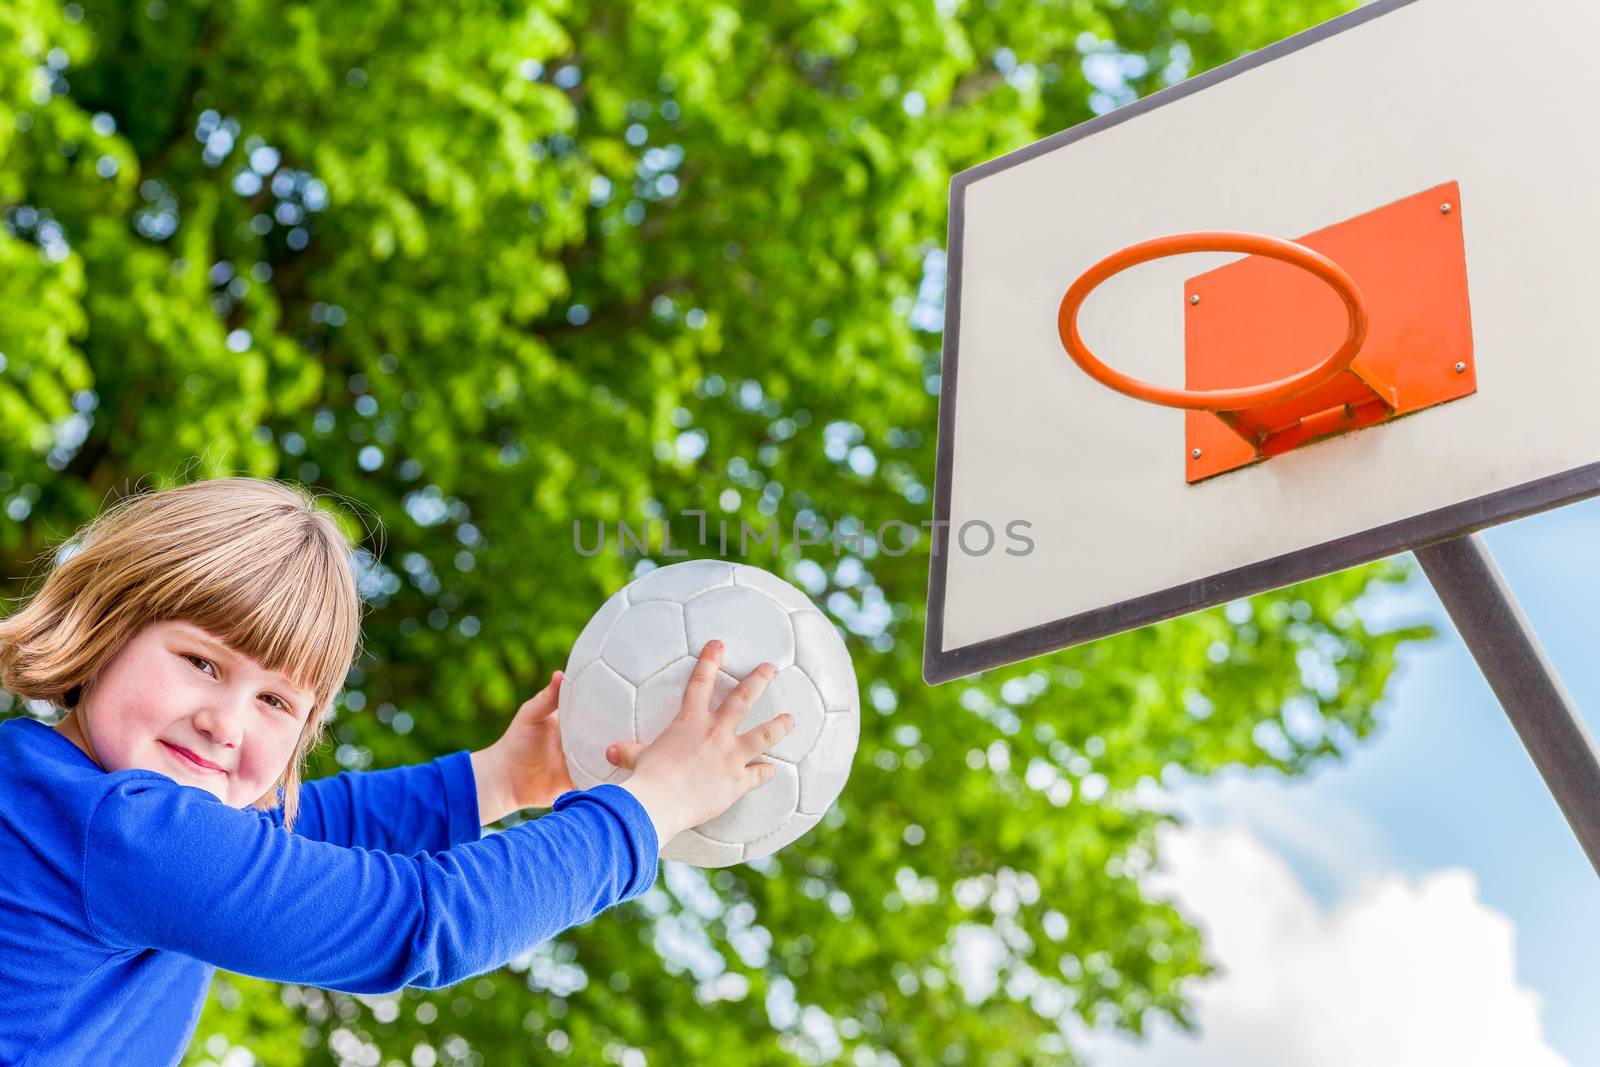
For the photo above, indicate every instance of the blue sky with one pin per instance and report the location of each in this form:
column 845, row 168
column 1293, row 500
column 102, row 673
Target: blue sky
column 1450, row 784
column 1432, row 869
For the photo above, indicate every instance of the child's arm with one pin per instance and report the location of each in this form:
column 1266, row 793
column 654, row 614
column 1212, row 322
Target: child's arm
column 171, row 867
column 426, row 807
column 437, row 805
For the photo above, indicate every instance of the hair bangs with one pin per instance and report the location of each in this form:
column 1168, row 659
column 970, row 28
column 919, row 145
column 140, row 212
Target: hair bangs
column 287, row 607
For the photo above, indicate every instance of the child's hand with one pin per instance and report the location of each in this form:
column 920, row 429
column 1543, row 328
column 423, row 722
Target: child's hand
column 698, row 767
column 527, row 760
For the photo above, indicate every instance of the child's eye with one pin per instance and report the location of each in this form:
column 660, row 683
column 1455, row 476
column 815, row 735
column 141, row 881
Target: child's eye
column 281, row 705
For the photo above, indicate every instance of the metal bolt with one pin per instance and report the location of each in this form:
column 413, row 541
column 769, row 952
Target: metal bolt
column 1444, row 209
column 1195, row 453
column 1195, row 299
column 1460, row 368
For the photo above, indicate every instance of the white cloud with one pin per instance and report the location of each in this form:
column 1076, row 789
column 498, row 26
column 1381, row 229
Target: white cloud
column 1334, row 841
column 1398, row 973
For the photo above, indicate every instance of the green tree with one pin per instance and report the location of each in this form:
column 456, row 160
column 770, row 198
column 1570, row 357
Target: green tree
column 491, row 269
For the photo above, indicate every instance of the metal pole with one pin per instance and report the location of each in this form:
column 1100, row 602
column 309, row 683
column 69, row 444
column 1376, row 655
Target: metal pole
column 1485, row 612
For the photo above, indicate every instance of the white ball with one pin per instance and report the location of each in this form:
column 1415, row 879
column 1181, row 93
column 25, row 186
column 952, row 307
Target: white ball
column 627, row 672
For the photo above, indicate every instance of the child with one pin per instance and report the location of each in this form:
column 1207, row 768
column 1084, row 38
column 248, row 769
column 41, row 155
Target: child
column 197, row 637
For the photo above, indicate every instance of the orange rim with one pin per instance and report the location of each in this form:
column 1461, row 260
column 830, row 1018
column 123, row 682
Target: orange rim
column 1297, row 255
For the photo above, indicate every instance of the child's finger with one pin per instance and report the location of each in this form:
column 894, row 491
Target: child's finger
column 747, row 692
column 542, row 703
column 625, row 753
column 697, row 694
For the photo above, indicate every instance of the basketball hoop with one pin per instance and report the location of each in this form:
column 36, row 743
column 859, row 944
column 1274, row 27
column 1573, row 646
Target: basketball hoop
column 1215, row 400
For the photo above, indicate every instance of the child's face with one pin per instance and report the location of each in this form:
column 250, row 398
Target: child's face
column 154, row 699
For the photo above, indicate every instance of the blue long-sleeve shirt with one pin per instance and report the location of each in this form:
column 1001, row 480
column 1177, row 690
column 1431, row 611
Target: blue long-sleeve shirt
column 121, row 893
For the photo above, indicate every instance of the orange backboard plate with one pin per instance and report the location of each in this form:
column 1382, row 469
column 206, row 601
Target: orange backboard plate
column 1258, row 320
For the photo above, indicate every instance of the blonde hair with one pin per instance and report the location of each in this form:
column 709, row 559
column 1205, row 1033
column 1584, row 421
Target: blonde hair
column 254, row 561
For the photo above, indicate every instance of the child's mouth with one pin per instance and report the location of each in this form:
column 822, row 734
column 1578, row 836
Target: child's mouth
column 191, row 760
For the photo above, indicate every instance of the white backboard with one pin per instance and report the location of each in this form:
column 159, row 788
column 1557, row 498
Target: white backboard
column 1379, row 104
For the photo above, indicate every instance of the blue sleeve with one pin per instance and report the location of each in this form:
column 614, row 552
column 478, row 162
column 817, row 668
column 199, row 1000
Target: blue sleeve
column 169, row 866
column 424, row 808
